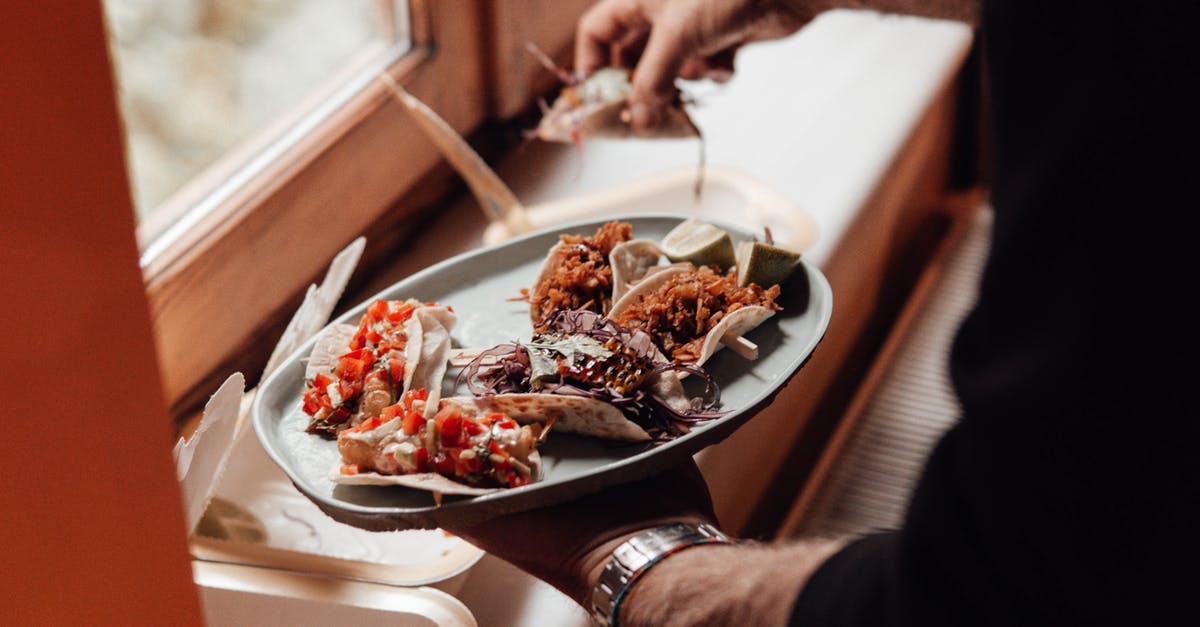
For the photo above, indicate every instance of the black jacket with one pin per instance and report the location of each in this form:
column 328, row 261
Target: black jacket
column 1069, row 492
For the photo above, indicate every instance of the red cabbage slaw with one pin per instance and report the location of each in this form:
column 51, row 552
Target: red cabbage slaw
column 507, row 369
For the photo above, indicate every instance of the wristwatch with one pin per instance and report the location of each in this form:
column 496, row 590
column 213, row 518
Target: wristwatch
column 632, row 558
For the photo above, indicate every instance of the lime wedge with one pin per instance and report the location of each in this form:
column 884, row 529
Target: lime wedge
column 700, row 243
column 764, row 264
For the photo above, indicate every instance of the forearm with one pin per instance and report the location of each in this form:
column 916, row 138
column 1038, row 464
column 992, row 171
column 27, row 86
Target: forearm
column 961, row 10
column 744, row 584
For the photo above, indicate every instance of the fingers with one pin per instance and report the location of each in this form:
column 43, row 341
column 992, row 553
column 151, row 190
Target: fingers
column 562, row 543
column 689, row 38
column 654, row 78
column 608, row 25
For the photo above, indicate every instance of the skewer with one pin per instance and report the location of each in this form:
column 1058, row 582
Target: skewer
column 462, row 356
column 740, row 345
column 498, row 202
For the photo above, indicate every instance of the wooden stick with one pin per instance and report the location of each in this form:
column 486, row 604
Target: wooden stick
column 740, row 345
column 498, row 202
column 462, row 356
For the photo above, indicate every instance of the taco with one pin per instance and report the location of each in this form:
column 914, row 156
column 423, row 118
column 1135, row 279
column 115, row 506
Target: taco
column 626, row 389
column 461, row 449
column 355, row 372
column 688, row 310
column 595, row 107
column 580, row 273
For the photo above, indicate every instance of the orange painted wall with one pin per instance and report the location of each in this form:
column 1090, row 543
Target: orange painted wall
column 91, row 530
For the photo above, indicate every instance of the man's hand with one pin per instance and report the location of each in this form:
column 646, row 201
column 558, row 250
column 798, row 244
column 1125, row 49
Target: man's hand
column 568, row 544
column 678, row 38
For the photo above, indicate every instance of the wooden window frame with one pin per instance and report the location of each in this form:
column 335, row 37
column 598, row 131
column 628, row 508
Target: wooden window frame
column 230, row 280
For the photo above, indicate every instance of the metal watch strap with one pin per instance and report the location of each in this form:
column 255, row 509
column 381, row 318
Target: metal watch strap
column 632, row 558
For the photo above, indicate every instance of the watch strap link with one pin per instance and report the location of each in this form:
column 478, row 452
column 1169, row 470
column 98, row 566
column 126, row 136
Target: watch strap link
column 632, row 558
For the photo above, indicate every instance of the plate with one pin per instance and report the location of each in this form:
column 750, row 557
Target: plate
column 483, row 287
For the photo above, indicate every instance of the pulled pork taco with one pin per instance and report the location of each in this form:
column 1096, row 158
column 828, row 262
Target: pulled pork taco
column 625, row 388
column 581, row 273
column 353, row 373
column 688, row 310
column 462, row 448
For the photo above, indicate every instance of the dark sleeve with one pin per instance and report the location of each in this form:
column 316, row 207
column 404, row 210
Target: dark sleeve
column 1069, row 491
column 834, row 594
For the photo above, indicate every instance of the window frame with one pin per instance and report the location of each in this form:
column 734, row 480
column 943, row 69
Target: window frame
column 229, row 282
column 211, row 291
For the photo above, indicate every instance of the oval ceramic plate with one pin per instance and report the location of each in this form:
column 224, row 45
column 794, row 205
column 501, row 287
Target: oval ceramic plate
column 483, row 287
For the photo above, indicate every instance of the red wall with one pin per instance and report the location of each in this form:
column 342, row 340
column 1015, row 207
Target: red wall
column 92, row 530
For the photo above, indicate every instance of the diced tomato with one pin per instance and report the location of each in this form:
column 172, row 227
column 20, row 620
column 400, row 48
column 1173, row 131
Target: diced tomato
column 473, row 428
column 351, row 369
column 378, row 310
column 339, row 415
column 402, row 313
column 321, row 381
column 394, row 343
column 507, row 423
column 444, row 464
column 374, row 337
column 449, row 424
column 396, row 368
column 363, row 354
column 421, row 459
column 390, row 412
column 348, row 389
column 413, row 422
column 411, row 395
column 312, row 401
column 370, row 423
column 495, row 448
column 450, row 428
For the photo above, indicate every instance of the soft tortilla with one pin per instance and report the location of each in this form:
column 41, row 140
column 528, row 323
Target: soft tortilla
column 630, row 261
column 430, row 481
column 331, row 344
column 544, row 274
column 738, row 322
column 650, row 284
column 594, row 108
column 428, row 351
column 571, row 414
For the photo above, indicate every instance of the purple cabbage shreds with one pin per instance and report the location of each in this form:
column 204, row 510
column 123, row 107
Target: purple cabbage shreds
column 507, row 369
column 502, row 369
column 592, row 324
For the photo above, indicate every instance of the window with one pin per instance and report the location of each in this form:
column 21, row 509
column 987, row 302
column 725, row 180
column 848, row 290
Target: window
column 227, row 255
column 199, row 79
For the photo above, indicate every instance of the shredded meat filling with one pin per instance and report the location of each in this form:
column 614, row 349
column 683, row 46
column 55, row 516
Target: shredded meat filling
column 681, row 312
column 582, row 277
